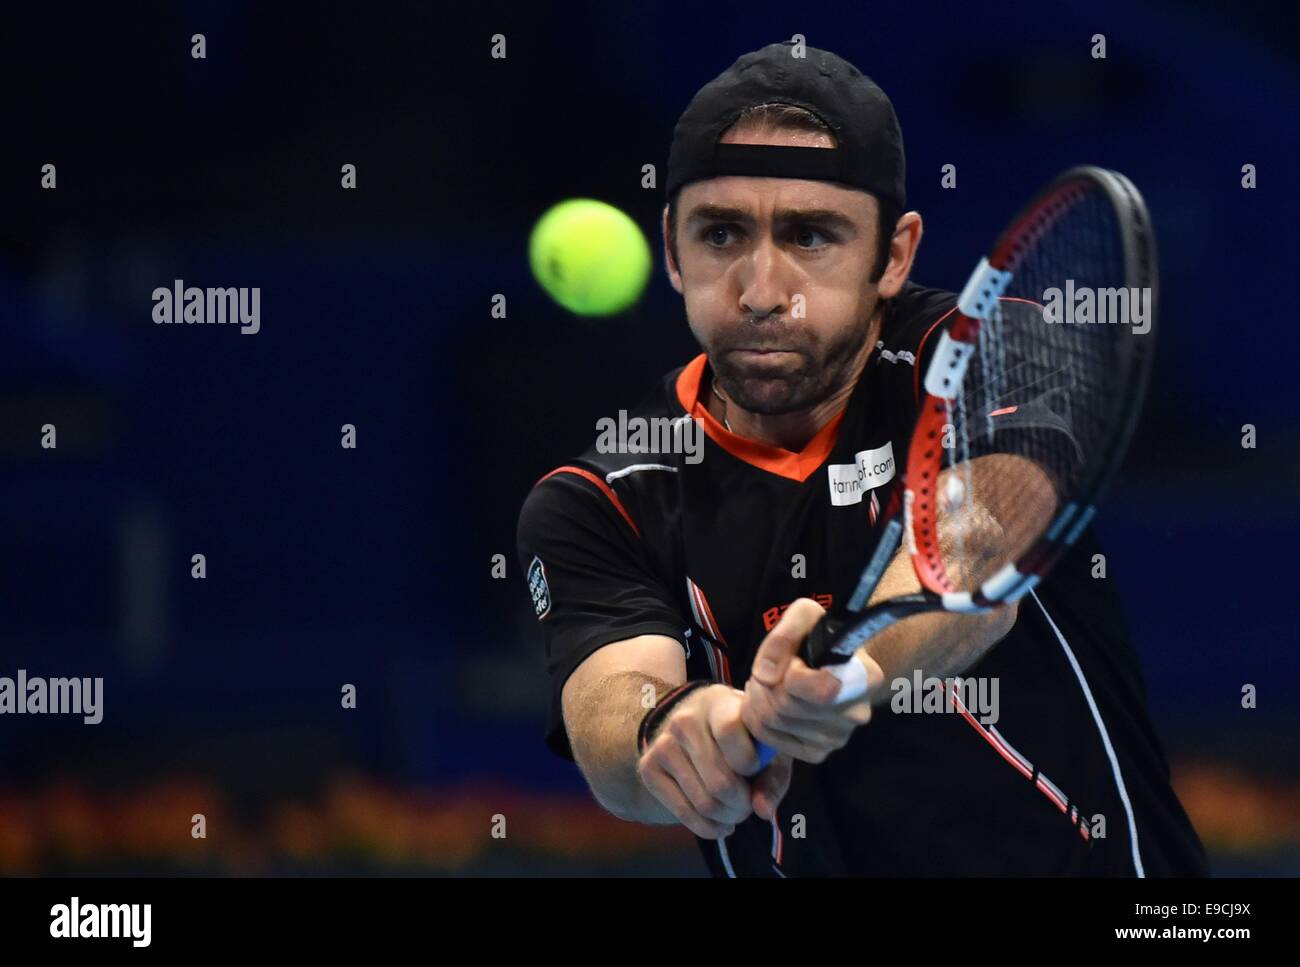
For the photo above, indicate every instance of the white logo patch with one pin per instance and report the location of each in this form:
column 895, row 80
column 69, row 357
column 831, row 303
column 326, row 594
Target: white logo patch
column 538, row 588
column 850, row 482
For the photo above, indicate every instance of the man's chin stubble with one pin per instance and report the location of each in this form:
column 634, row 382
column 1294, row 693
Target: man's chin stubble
column 790, row 394
column 804, row 390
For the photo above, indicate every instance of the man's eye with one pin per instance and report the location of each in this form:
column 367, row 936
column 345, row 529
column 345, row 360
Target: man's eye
column 803, row 234
column 716, row 235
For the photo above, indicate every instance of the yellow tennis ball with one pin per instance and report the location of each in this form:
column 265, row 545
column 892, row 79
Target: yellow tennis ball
column 590, row 257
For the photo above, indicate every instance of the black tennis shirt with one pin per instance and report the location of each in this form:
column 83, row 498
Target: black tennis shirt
column 1069, row 779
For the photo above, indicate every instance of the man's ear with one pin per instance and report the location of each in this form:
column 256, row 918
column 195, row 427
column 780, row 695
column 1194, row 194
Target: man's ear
column 902, row 253
column 674, row 274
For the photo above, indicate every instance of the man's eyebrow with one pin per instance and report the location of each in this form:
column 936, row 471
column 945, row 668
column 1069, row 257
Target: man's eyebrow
column 829, row 217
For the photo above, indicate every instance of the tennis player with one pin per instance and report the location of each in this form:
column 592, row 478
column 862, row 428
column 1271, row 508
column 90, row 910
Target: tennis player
column 674, row 594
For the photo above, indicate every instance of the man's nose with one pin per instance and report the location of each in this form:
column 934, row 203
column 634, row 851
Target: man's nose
column 762, row 289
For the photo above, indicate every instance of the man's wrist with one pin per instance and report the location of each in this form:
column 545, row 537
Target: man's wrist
column 655, row 716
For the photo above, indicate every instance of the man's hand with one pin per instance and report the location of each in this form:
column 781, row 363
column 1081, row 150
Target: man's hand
column 698, row 764
column 792, row 707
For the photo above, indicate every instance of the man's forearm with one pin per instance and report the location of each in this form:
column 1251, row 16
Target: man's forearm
column 938, row 645
column 603, row 735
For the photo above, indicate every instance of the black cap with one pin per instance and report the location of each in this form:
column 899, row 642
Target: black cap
column 869, row 151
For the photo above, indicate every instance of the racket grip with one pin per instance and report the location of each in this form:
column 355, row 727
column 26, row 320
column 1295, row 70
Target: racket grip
column 816, row 651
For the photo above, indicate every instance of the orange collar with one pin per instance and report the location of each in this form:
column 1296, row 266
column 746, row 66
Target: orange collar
column 784, row 463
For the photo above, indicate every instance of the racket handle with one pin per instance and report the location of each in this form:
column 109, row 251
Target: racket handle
column 816, row 651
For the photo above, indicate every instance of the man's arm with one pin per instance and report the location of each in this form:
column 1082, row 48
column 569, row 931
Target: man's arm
column 993, row 524
column 591, row 581
column 694, row 771
column 793, row 708
column 603, row 706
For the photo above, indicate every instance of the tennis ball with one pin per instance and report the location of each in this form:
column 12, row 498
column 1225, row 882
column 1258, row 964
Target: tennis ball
column 590, row 257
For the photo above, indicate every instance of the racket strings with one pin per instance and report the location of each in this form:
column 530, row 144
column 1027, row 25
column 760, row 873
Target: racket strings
column 1037, row 402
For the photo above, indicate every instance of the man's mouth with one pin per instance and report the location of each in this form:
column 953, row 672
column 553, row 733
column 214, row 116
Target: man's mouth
column 755, row 352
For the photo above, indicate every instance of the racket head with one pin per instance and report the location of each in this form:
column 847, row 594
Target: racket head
column 1033, row 391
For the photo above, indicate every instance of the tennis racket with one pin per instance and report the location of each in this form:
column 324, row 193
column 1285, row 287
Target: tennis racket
column 1027, row 408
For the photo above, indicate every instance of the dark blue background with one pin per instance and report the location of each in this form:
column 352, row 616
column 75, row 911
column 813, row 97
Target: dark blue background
column 373, row 566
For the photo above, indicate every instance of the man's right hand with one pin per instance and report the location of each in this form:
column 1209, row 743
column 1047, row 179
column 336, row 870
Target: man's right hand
column 699, row 763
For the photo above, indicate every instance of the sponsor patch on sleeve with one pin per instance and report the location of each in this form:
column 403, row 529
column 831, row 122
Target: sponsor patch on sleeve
column 538, row 588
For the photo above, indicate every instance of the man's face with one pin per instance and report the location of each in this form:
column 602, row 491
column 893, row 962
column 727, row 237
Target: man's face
column 774, row 272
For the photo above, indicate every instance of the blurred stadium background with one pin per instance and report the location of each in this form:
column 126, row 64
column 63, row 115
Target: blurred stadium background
column 373, row 566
